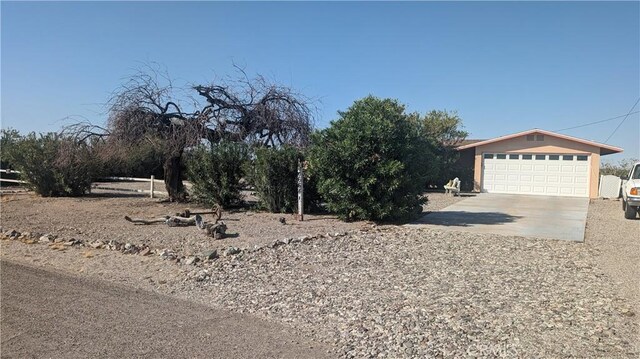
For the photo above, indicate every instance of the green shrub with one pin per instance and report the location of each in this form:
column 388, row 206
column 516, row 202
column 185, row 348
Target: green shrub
column 372, row 163
column 274, row 174
column 54, row 165
column 215, row 172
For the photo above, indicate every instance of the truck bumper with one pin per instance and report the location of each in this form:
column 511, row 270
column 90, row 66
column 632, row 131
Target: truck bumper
column 633, row 201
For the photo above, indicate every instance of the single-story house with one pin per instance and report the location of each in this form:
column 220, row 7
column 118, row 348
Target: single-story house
column 535, row 162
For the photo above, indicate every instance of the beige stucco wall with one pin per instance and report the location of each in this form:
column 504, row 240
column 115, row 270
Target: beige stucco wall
column 550, row 144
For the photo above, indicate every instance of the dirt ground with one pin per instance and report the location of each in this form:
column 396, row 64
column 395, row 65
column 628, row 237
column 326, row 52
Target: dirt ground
column 118, row 321
column 100, row 216
column 384, row 291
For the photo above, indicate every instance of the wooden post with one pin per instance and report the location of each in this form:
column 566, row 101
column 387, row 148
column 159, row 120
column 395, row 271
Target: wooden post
column 300, row 191
column 152, row 183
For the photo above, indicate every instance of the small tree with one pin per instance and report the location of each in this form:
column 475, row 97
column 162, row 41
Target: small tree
column 215, row 172
column 444, row 130
column 274, row 174
column 373, row 162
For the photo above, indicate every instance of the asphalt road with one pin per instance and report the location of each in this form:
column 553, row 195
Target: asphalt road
column 53, row 315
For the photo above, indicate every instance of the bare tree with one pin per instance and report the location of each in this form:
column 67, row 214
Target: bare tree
column 252, row 111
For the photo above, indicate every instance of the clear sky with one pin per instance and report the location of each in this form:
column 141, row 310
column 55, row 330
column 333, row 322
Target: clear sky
column 505, row 67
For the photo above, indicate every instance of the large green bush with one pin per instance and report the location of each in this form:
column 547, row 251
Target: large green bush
column 215, row 172
column 274, row 172
column 54, row 165
column 372, row 163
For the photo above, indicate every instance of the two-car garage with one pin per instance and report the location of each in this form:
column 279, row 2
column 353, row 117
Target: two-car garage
column 530, row 173
column 537, row 162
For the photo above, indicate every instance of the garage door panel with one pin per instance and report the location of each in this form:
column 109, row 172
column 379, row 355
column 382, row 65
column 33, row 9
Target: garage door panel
column 566, row 190
column 550, row 175
column 566, row 179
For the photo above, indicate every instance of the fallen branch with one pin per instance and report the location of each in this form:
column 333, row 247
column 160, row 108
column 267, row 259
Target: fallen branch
column 171, row 221
column 217, row 229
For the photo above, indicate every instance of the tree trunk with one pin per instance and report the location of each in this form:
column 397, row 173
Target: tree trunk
column 173, row 178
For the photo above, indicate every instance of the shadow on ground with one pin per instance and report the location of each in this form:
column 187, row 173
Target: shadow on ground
column 465, row 219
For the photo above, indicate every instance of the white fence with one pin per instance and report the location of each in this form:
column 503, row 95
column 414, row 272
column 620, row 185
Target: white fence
column 152, row 191
column 10, row 180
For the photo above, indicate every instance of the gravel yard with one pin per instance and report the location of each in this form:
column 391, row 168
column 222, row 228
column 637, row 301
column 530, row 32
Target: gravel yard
column 373, row 291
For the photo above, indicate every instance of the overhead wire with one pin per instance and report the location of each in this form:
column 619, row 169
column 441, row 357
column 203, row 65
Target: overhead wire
column 624, row 119
column 596, row 122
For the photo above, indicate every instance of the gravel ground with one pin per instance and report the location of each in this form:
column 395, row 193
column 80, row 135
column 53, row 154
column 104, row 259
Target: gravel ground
column 385, row 291
column 617, row 242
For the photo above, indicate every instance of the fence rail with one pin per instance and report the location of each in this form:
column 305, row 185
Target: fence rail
column 9, row 171
column 151, row 191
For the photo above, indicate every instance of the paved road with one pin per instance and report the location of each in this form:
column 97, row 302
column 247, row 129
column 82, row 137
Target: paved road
column 47, row 314
column 515, row 215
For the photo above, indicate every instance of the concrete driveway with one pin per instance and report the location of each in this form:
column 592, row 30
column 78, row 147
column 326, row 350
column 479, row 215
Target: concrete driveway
column 517, row 215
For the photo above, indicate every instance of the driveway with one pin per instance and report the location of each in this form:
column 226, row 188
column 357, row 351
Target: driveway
column 517, row 215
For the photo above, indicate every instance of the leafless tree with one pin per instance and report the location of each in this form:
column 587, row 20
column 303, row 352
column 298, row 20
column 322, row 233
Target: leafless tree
column 247, row 110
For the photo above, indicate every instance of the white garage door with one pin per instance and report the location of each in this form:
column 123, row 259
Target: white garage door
column 550, row 175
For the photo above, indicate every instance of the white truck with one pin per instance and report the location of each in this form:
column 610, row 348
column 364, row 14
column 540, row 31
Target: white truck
column 631, row 193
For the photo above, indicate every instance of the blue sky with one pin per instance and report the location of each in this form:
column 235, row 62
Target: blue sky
column 505, row 67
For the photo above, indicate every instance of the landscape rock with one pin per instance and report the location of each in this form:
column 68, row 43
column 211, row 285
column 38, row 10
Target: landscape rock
column 210, row 254
column 191, row 260
column 232, row 251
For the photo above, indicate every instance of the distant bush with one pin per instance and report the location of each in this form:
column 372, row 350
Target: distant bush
column 132, row 160
column 274, row 173
column 619, row 169
column 373, row 162
column 54, row 165
column 215, row 172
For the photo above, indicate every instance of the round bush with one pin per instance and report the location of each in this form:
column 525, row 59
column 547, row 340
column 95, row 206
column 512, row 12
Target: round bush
column 372, row 163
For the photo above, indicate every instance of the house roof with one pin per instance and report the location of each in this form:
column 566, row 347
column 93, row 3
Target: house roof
column 604, row 149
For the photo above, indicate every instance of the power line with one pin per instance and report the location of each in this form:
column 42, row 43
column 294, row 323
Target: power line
column 596, row 122
column 621, row 122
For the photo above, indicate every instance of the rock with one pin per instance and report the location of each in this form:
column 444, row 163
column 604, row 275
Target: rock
column 282, row 220
column 232, row 251
column 144, row 251
column 202, row 275
column 12, row 233
column 97, row 244
column 192, row 260
column 210, row 254
column 127, row 246
column 44, row 239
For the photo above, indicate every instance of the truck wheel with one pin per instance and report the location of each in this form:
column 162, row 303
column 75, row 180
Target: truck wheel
column 630, row 212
